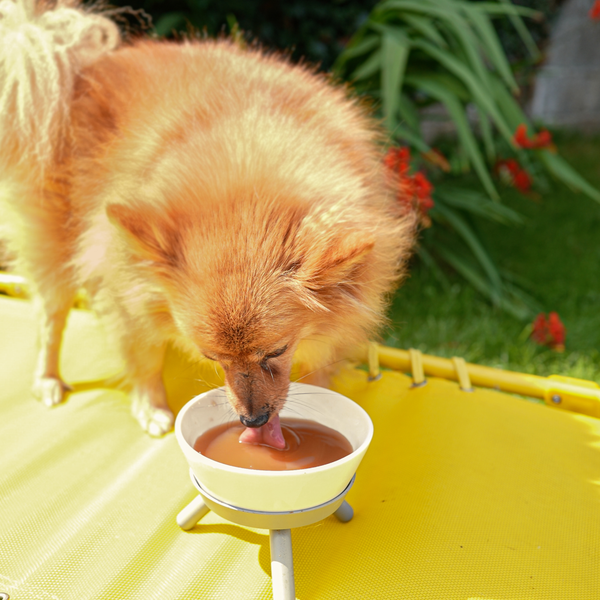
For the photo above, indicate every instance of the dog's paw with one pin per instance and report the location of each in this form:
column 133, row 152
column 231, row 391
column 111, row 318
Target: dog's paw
column 155, row 421
column 49, row 390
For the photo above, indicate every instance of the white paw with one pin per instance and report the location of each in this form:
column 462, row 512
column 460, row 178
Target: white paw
column 161, row 422
column 49, row 390
column 155, row 421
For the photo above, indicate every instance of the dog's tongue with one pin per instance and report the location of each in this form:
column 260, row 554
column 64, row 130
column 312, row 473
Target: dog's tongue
column 267, row 435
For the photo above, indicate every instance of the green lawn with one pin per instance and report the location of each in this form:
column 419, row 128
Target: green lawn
column 557, row 251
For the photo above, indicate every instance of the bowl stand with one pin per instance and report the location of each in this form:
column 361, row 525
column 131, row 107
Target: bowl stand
column 279, row 525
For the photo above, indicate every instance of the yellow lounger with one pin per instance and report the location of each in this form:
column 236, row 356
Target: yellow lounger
column 464, row 493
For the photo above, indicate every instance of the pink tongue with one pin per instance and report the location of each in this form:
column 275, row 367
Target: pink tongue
column 267, row 435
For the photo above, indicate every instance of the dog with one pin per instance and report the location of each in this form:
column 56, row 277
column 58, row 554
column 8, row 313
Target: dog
column 207, row 195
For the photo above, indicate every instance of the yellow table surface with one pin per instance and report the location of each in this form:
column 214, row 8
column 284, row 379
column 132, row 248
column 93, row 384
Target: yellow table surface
column 462, row 496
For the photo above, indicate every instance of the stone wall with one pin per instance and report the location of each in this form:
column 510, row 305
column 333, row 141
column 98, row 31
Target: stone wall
column 567, row 89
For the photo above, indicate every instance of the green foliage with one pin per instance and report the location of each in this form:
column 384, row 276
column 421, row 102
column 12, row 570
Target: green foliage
column 411, row 55
column 310, row 30
column 556, row 248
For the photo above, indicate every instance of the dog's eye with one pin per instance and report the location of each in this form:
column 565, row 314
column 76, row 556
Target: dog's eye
column 263, row 364
column 276, row 353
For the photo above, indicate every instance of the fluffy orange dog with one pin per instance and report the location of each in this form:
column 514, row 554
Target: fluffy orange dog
column 206, row 195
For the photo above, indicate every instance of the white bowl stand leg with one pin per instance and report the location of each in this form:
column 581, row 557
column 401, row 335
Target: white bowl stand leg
column 282, row 559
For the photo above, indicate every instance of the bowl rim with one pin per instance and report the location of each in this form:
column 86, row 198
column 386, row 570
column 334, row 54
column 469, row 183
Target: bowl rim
column 215, row 464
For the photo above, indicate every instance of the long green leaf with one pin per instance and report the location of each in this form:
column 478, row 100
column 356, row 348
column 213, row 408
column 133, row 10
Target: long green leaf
column 367, row 69
column 369, row 43
column 473, row 84
column 395, row 46
column 432, row 265
column 408, row 112
column 463, row 32
column 493, row 8
column 477, row 203
column 514, row 116
column 509, row 107
column 448, row 81
column 529, row 305
column 522, row 31
column 505, row 8
column 519, row 286
column 422, row 6
column 450, row 17
column 432, row 8
column 463, row 129
column 470, row 238
column 406, row 135
column 565, row 172
column 468, row 272
column 486, row 135
column 520, row 310
column 425, row 27
column 490, row 41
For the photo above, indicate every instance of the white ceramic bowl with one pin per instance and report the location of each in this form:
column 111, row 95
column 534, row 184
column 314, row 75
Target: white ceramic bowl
column 276, row 491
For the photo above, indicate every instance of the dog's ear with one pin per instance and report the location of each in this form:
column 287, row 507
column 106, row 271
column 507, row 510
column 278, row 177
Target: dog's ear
column 151, row 235
column 337, row 262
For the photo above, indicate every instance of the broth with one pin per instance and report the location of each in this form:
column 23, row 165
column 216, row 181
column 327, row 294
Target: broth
column 308, row 444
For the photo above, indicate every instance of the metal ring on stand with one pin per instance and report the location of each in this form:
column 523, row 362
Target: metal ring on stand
column 268, row 519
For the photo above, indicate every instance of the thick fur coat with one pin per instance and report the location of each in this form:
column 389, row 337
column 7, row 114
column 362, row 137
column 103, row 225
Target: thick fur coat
column 207, row 195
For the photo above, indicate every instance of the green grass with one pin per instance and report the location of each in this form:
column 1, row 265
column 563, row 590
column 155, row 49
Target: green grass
column 557, row 251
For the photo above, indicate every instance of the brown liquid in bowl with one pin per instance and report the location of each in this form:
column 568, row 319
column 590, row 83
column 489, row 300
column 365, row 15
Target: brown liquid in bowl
column 308, row 444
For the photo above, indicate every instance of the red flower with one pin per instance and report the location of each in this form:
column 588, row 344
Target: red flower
column 522, row 181
column 556, row 329
column 423, row 187
column 595, row 11
column 507, row 167
column 520, row 138
column 398, row 159
column 549, row 332
column 414, row 191
column 539, row 329
column 541, row 140
column 511, row 172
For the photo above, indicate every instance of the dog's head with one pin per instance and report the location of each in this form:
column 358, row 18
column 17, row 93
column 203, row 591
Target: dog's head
column 251, row 284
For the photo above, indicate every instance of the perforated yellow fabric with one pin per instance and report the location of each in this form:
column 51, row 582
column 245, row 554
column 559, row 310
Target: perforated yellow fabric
column 462, row 496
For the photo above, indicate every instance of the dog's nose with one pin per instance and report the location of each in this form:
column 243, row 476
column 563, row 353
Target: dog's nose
column 254, row 422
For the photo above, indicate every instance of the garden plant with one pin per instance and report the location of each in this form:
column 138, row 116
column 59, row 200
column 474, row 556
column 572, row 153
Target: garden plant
column 498, row 195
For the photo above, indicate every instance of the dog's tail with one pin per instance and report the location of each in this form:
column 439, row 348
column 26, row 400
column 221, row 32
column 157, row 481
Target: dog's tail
column 43, row 45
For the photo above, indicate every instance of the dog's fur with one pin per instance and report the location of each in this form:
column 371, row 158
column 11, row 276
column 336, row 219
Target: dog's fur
column 205, row 194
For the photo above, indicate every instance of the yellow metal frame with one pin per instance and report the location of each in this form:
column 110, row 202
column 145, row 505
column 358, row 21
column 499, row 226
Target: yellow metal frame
column 567, row 393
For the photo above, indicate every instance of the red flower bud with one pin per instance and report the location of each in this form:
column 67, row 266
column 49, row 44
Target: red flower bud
column 541, row 140
column 549, row 332
column 540, row 326
column 556, row 329
column 520, row 138
column 522, row 181
column 512, row 173
column 414, row 191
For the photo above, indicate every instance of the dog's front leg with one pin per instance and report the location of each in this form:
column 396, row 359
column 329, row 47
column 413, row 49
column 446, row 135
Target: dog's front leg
column 52, row 316
column 149, row 399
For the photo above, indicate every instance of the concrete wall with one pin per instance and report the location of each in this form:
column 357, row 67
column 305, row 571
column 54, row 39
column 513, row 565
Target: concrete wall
column 567, row 89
